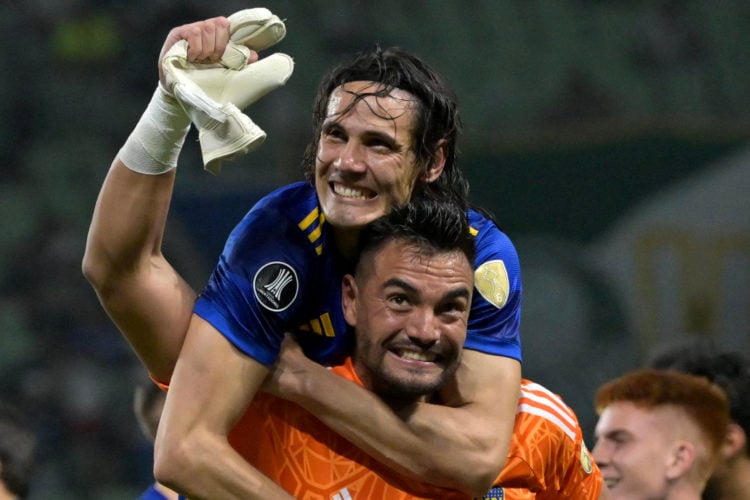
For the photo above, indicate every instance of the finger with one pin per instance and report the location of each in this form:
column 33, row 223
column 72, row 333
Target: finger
column 221, row 38
column 193, row 33
column 214, row 36
column 208, row 41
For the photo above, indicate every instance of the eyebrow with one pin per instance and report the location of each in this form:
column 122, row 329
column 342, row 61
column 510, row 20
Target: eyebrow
column 615, row 434
column 462, row 292
column 334, row 124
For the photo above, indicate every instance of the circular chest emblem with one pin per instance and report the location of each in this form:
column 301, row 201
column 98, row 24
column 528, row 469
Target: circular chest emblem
column 276, row 286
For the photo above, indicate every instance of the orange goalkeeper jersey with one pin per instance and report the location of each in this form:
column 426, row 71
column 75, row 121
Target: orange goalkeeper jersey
column 547, row 457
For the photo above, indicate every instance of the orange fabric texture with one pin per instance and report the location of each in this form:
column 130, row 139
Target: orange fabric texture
column 295, row 449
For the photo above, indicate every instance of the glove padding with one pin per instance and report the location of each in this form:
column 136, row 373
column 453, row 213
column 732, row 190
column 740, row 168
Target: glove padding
column 214, row 94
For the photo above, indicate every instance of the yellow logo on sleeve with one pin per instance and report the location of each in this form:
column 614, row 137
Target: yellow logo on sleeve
column 586, row 462
column 491, row 279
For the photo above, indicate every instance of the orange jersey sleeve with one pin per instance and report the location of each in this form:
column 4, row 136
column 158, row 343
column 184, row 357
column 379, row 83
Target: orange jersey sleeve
column 548, row 458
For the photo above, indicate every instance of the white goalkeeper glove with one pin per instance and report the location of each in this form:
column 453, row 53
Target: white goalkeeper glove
column 214, row 94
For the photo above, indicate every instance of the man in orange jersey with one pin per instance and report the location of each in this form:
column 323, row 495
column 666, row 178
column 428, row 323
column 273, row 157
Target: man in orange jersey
column 547, row 458
column 410, row 296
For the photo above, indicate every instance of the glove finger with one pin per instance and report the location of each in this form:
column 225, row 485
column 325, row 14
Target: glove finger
column 258, row 79
column 256, row 28
column 235, row 56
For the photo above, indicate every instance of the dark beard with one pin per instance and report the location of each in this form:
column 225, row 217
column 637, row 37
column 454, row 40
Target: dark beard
column 408, row 391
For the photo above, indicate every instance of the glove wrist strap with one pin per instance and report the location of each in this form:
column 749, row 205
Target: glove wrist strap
column 156, row 141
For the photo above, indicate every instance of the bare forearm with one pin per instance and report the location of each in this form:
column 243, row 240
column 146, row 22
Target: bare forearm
column 207, row 468
column 192, row 451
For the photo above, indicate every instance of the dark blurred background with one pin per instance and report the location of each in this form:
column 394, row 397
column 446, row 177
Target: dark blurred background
column 609, row 138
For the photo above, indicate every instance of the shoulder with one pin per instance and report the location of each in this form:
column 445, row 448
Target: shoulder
column 497, row 266
column 539, row 404
column 489, row 237
column 292, row 199
column 287, row 215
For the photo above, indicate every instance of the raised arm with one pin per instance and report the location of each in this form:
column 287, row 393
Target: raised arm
column 461, row 444
column 145, row 297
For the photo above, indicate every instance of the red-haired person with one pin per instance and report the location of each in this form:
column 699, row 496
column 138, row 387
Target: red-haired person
column 659, row 434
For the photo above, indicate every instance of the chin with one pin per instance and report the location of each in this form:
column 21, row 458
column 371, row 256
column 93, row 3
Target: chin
column 345, row 219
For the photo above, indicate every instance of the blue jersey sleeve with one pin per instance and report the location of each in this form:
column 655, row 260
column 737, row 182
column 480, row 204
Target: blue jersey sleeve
column 256, row 290
column 495, row 317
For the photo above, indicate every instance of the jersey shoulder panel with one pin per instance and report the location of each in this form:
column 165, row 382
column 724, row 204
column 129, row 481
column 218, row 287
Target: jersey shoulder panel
column 548, row 439
column 495, row 317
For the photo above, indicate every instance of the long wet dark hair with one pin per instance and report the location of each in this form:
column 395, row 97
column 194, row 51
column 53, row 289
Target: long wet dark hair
column 437, row 115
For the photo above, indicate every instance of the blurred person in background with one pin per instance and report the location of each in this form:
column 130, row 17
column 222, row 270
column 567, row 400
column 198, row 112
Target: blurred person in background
column 17, row 444
column 148, row 403
column 730, row 370
column 659, row 434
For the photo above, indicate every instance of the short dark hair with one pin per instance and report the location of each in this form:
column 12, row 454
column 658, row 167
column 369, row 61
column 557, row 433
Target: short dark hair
column 437, row 111
column 728, row 369
column 432, row 224
column 17, row 445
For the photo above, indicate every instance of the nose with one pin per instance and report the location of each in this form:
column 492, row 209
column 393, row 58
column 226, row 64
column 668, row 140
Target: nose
column 423, row 329
column 351, row 158
column 600, row 452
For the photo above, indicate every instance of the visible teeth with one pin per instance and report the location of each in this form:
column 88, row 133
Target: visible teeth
column 348, row 192
column 418, row 356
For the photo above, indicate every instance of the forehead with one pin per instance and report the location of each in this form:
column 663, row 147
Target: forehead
column 401, row 259
column 625, row 416
column 398, row 105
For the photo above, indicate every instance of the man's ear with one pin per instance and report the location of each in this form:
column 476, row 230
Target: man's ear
column 435, row 168
column 349, row 299
column 735, row 442
column 681, row 459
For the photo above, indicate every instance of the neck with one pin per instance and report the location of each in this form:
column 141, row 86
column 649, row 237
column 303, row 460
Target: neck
column 347, row 241
column 731, row 483
column 684, row 490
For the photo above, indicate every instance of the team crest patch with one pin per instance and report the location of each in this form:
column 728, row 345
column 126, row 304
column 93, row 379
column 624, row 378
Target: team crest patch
column 586, row 462
column 496, row 493
column 491, row 279
column 276, row 286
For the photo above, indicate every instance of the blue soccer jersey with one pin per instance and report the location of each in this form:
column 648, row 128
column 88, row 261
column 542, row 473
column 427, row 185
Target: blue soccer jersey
column 495, row 316
column 280, row 272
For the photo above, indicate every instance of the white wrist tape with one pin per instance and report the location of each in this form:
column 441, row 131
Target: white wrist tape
column 156, row 141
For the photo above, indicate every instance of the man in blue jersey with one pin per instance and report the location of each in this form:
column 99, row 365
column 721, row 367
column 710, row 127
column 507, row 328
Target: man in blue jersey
column 385, row 126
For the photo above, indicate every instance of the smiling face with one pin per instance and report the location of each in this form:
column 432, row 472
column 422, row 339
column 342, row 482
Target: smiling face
column 365, row 161
column 635, row 449
column 410, row 312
